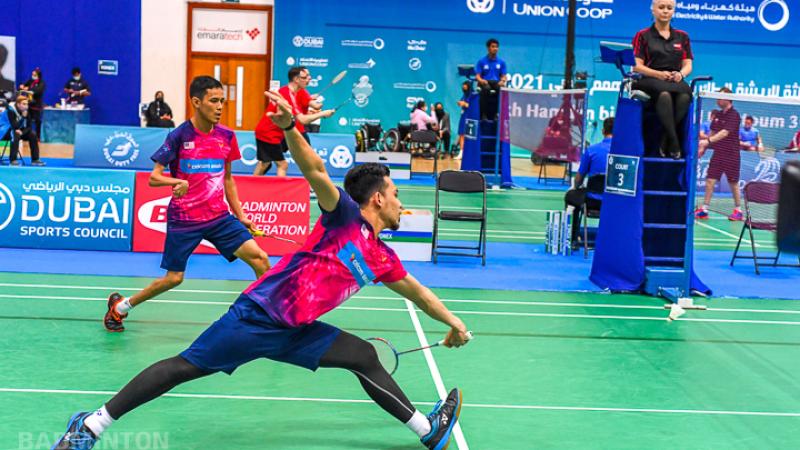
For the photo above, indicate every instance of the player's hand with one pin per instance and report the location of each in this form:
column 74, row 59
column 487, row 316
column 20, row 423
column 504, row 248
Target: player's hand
column 246, row 222
column 457, row 337
column 663, row 75
column 283, row 117
column 180, row 189
column 328, row 113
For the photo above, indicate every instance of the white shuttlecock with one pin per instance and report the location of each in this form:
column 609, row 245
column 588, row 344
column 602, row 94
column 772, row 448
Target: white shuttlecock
column 675, row 312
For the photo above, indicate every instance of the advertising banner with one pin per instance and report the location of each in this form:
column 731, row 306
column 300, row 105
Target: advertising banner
column 114, row 147
column 66, row 209
column 745, row 45
column 117, row 147
column 277, row 206
column 230, row 31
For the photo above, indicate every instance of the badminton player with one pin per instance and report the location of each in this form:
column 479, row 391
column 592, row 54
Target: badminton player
column 198, row 154
column 276, row 316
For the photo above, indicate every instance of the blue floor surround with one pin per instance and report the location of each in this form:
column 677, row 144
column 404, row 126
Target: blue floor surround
column 508, row 266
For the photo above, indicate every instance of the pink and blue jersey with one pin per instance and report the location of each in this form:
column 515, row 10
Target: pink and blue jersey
column 341, row 256
column 198, row 158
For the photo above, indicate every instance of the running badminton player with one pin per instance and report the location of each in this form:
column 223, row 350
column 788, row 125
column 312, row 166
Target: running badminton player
column 276, row 316
column 198, row 154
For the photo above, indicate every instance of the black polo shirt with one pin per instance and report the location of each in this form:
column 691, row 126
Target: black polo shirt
column 659, row 53
column 76, row 85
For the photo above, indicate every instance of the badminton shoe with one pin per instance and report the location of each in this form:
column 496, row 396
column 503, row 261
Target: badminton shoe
column 700, row 213
column 113, row 320
column 736, row 216
column 443, row 418
column 78, row 435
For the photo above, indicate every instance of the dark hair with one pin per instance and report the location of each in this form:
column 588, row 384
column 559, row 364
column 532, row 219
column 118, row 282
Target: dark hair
column 492, row 41
column 3, row 55
column 468, row 85
column 364, row 180
column 159, row 92
column 419, row 105
column 201, row 84
column 750, row 118
column 295, row 71
column 725, row 90
column 76, row 70
column 38, row 72
column 608, row 126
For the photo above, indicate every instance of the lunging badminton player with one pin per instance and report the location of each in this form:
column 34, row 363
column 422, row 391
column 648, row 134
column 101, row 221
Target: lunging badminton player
column 198, row 154
column 276, row 316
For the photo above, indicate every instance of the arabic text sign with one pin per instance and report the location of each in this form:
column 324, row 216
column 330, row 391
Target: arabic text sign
column 66, row 209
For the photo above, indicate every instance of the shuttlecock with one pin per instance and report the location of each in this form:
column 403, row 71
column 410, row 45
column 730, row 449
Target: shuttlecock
column 675, row 312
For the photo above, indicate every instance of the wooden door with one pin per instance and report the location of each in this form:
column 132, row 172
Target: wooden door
column 247, row 81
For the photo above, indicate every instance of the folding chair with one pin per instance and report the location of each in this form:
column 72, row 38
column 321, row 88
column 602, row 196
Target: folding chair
column 462, row 182
column 423, row 142
column 764, row 196
column 596, row 184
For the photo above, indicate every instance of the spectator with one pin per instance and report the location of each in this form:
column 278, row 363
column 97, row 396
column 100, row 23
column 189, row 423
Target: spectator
column 159, row 114
column 795, row 144
column 34, row 89
column 420, row 119
column 443, row 124
column 750, row 137
column 76, row 88
column 491, row 73
column 726, row 159
column 593, row 162
column 22, row 130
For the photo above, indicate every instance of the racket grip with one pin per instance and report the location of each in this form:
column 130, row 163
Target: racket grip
column 469, row 338
column 256, row 233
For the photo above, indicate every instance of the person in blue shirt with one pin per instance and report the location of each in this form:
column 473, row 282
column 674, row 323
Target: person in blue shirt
column 593, row 162
column 491, row 73
column 750, row 137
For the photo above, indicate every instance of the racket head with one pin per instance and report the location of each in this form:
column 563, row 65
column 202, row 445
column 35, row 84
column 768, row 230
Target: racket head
column 339, row 77
column 387, row 353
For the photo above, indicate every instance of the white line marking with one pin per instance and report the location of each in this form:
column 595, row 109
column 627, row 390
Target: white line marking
column 434, row 369
column 485, row 313
column 469, row 405
column 736, row 238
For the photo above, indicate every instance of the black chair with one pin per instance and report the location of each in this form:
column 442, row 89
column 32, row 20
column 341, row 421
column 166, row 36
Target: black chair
column 461, row 182
column 596, row 184
column 424, row 143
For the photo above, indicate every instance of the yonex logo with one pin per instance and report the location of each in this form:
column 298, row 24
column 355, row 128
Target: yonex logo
column 480, row 6
column 7, row 206
column 774, row 26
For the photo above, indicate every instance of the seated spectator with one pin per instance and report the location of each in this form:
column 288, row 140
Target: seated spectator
column 443, row 124
column 420, row 120
column 159, row 114
column 22, row 130
column 795, row 144
column 750, row 137
column 76, row 88
column 593, row 162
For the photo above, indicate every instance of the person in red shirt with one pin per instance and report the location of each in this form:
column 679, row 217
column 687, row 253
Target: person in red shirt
column 270, row 144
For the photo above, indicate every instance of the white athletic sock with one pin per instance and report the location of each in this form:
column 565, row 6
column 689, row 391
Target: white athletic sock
column 419, row 424
column 705, row 207
column 124, row 306
column 99, row 421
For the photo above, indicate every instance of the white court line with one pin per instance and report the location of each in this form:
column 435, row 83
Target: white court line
column 469, row 405
column 434, row 369
column 504, row 313
column 736, row 238
column 478, row 208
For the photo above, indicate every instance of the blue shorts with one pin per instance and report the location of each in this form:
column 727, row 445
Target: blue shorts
column 226, row 233
column 246, row 332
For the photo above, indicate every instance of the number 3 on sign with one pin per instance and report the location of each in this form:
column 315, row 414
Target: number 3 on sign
column 621, row 180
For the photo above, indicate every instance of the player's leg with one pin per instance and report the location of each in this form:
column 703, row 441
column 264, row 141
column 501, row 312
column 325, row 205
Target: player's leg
column 233, row 240
column 178, row 246
column 227, row 344
column 276, row 154
column 358, row 356
column 665, row 110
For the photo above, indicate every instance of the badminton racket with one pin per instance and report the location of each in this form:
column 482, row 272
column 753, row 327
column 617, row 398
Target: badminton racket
column 350, row 99
column 389, row 356
column 258, row 233
column 335, row 80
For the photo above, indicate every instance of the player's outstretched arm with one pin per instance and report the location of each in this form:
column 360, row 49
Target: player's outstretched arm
column 428, row 302
column 306, row 158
